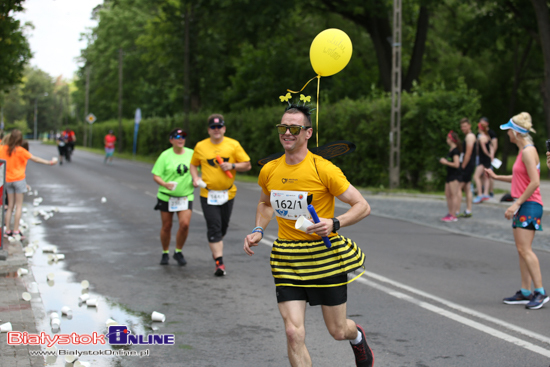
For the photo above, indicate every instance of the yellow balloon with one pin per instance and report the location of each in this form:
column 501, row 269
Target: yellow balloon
column 330, row 52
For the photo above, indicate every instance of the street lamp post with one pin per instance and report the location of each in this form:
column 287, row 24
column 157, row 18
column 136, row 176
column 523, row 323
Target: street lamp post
column 35, row 115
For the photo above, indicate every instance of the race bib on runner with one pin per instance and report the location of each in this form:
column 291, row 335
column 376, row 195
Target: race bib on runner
column 178, row 204
column 218, row 197
column 289, row 204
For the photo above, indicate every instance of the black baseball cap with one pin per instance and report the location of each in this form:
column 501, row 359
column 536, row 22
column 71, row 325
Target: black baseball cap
column 216, row 120
column 177, row 132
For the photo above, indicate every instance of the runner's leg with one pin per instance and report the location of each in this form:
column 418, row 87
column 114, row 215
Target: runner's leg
column 184, row 218
column 294, row 315
column 166, row 229
column 18, row 211
column 339, row 327
column 528, row 261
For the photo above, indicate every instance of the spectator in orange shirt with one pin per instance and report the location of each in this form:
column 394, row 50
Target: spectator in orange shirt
column 110, row 141
column 16, row 159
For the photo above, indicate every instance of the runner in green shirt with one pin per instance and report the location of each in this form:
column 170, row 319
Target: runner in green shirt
column 175, row 193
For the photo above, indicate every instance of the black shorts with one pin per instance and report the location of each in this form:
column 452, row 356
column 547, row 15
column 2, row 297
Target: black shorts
column 217, row 219
column 467, row 174
column 62, row 150
column 163, row 206
column 453, row 178
column 326, row 296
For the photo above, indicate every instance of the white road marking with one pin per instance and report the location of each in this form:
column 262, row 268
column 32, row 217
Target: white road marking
column 152, row 195
column 453, row 316
column 461, row 319
column 460, row 308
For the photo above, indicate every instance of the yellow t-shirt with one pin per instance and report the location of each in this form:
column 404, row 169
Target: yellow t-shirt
column 321, row 179
column 230, row 150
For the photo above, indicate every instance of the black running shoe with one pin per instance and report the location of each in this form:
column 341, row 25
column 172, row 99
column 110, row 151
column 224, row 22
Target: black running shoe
column 362, row 351
column 164, row 259
column 518, row 299
column 537, row 301
column 178, row 256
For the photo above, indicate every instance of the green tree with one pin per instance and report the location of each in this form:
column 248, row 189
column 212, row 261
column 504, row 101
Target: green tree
column 14, row 47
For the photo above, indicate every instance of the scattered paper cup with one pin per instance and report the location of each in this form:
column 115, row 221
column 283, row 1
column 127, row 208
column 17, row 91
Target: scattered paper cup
column 50, row 249
column 4, row 328
column 175, row 185
column 84, row 297
column 54, row 315
column 51, row 283
column 157, row 316
column 111, row 322
column 103, row 200
column 26, row 296
column 55, row 322
column 302, row 223
column 85, row 284
column 66, row 310
column 71, row 358
column 82, row 364
column 50, row 276
column 33, row 287
column 202, row 184
column 59, row 257
column 92, row 302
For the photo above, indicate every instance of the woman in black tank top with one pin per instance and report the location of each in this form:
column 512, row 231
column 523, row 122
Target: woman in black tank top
column 452, row 184
column 484, row 153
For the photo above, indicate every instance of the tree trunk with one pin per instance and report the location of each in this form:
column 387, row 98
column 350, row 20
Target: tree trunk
column 543, row 22
column 415, row 65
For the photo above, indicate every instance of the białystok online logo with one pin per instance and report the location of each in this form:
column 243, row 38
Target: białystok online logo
column 117, row 335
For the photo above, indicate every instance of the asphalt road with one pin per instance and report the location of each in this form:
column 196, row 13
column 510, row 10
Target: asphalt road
column 429, row 297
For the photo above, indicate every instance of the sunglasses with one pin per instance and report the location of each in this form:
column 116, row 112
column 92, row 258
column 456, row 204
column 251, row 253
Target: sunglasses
column 294, row 129
column 179, row 136
column 214, row 127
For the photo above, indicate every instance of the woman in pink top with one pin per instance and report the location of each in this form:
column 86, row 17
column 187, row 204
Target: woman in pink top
column 526, row 211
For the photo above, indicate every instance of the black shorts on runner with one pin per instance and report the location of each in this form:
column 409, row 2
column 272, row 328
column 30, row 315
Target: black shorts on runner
column 467, row 174
column 326, row 296
column 217, row 219
column 163, row 205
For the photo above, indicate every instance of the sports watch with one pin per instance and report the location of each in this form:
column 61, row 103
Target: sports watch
column 335, row 224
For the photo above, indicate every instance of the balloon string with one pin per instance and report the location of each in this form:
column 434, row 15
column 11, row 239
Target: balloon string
column 317, row 111
column 291, row 91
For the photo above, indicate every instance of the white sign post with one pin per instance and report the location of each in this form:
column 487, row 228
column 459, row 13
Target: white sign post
column 91, row 119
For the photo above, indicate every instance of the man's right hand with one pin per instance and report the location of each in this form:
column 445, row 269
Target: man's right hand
column 196, row 181
column 251, row 240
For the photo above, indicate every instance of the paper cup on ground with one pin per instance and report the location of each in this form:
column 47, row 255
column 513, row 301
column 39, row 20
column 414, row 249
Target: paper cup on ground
column 70, row 358
column 82, row 364
column 4, row 328
column 33, row 287
column 92, row 302
column 202, row 184
column 50, row 276
column 51, row 283
column 111, row 322
column 26, row 296
column 175, row 185
column 55, row 322
column 103, row 200
column 157, row 316
column 84, row 297
column 302, row 223
column 66, row 310
column 54, row 315
column 85, row 284
column 59, row 257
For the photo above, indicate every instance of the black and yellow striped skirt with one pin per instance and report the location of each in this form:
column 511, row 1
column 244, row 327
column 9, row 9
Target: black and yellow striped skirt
column 312, row 264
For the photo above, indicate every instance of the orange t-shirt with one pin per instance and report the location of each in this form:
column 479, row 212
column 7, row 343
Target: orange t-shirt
column 16, row 163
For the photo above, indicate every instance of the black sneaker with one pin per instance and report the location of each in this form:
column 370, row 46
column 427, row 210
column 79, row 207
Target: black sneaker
column 537, row 301
column 362, row 351
column 518, row 299
column 220, row 270
column 164, row 259
column 178, row 256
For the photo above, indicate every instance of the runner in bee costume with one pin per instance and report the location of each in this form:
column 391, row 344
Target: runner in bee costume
column 304, row 269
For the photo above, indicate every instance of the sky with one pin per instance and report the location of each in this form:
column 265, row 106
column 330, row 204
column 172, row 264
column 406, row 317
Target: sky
column 57, row 27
